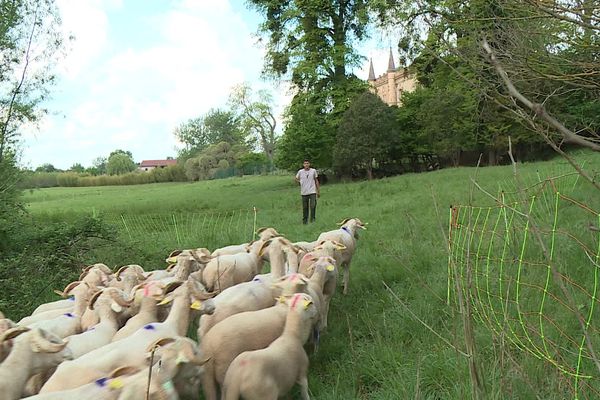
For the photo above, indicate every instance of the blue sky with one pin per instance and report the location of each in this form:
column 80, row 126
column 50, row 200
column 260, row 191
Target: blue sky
column 139, row 68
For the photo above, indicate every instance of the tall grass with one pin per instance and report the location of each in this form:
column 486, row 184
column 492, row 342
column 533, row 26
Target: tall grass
column 381, row 342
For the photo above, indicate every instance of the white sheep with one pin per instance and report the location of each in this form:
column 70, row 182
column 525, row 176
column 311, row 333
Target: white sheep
column 100, row 362
column 325, row 248
column 230, row 269
column 257, row 294
column 108, row 303
column 323, row 281
column 282, row 255
column 34, row 351
column 51, row 310
column 241, row 332
column 270, row 373
column 346, row 235
column 145, row 301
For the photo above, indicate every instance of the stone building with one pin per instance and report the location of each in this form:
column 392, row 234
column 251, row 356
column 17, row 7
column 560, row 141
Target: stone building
column 390, row 86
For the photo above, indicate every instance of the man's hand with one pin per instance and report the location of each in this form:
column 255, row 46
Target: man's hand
column 318, row 194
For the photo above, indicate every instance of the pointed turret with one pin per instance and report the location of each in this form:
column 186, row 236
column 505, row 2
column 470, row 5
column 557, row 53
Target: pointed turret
column 391, row 65
column 371, row 71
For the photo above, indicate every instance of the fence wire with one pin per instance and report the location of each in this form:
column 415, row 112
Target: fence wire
column 530, row 265
column 191, row 229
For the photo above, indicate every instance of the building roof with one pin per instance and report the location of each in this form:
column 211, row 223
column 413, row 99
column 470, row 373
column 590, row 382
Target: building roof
column 371, row 71
column 391, row 65
column 157, row 163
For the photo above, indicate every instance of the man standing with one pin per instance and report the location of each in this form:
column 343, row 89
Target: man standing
column 309, row 189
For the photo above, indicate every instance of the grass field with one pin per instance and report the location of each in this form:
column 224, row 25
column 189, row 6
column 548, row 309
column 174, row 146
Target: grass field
column 378, row 345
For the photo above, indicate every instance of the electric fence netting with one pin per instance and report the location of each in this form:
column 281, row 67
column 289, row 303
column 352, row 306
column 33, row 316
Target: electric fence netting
column 191, row 230
column 529, row 266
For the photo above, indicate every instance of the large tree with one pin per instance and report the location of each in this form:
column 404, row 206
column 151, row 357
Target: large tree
column 365, row 135
column 120, row 162
column 312, row 44
column 255, row 114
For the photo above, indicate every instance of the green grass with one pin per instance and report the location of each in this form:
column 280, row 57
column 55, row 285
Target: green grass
column 375, row 347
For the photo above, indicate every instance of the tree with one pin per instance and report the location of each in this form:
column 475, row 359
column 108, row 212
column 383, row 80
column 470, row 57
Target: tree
column 256, row 117
column 223, row 126
column 28, row 37
column 364, row 136
column 77, row 167
column 120, row 162
column 47, row 167
column 312, row 43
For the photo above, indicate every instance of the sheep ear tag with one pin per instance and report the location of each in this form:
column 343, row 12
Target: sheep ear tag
column 172, row 260
column 196, row 305
column 182, row 359
column 116, row 383
column 116, row 308
column 330, row 268
column 166, row 300
column 306, row 304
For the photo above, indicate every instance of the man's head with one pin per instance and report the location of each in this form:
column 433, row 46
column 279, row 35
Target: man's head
column 306, row 164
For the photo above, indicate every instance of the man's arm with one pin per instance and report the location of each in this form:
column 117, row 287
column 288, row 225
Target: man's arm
column 296, row 178
column 317, row 185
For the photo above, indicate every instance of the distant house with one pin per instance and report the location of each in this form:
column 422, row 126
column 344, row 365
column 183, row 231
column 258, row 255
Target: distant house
column 148, row 165
column 390, row 86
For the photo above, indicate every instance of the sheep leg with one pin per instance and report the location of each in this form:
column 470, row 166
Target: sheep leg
column 326, row 301
column 208, row 382
column 303, row 382
column 346, row 267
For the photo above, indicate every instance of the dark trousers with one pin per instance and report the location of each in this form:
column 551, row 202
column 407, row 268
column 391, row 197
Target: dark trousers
column 309, row 199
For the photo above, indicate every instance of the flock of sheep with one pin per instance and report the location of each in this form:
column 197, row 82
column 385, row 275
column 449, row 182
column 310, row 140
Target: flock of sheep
column 123, row 335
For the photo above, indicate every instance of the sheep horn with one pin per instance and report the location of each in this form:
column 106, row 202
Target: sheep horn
column 93, row 299
column 119, row 297
column 103, row 268
column 120, row 271
column 172, row 286
column 263, row 247
column 175, row 253
column 122, row 371
column 41, row 342
column 68, row 289
column 159, row 343
column 13, row 333
column 259, row 230
column 344, row 221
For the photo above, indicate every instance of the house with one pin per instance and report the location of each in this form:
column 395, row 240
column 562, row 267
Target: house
column 390, row 86
column 148, row 165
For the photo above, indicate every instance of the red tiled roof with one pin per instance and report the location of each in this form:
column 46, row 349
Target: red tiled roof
column 157, row 163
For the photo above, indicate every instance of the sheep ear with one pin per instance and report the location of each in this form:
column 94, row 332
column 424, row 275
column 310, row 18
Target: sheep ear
column 259, row 230
column 122, row 371
column 13, row 333
column 159, row 343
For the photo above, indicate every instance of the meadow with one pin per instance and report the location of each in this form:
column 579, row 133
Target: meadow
column 394, row 336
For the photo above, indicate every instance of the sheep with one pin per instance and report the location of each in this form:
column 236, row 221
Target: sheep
column 255, row 295
column 52, row 310
column 232, row 249
column 251, row 330
column 346, row 235
column 280, row 251
column 98, row 363
column 271, row 372
column 323, row 281
column 146, row 296
column 326, row 248
column 34, row 351
column 127, row 277
column 5, row 347
column 69, row 323
column 108, row 303
column 227, row 270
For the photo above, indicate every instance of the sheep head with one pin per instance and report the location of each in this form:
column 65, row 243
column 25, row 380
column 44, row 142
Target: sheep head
column 290, row 284
column 112, row 297
column 267, row 233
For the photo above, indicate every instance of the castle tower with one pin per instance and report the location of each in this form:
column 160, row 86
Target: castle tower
column 391, row 81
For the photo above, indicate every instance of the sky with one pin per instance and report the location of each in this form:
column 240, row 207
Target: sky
column 137, row 69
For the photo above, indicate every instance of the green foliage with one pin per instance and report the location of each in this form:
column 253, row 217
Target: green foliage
column 48, row 254
column 77, row 168
column 216, row 126
column 47, row 167
column 214, row 158
column 365, row 136
column 120, row 162
column 30, row 42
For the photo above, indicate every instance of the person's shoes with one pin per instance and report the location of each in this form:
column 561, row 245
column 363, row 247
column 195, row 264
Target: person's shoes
column 304, row 222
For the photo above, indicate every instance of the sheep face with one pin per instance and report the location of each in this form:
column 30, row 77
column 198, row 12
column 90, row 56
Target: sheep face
column 49, row 349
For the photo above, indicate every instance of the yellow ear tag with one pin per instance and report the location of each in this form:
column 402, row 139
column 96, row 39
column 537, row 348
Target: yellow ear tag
column 306, row 304
column 181, row 359
column 164, row 301
column 116, row 383
column 172, row 260
column 196, row 305
column 330, row 268
column 281, row 299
